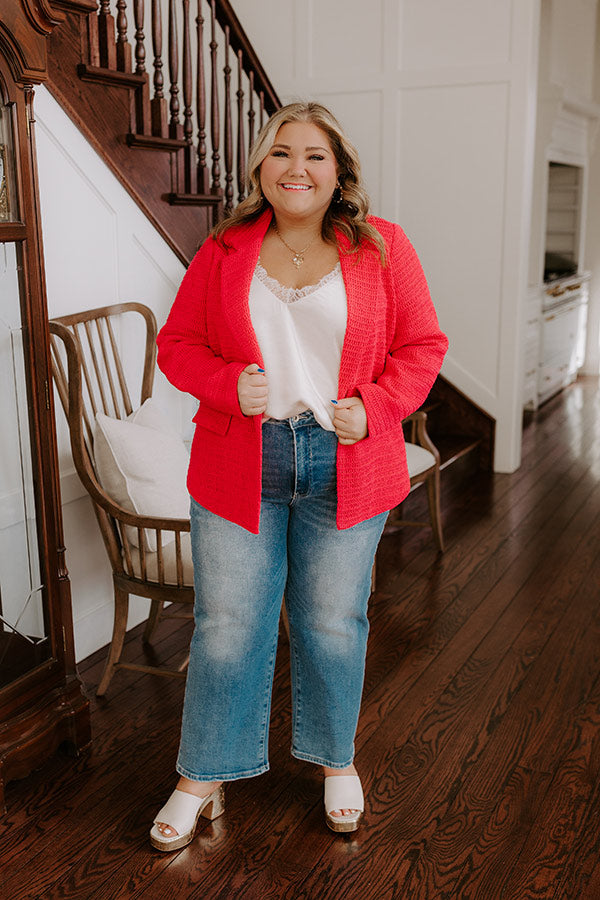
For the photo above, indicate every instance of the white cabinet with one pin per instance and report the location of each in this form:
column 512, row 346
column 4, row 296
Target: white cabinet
column 562, row 338
column 554, row 337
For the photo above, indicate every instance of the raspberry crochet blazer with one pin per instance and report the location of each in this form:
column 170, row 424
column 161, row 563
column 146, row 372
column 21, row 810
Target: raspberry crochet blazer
column 392, row 352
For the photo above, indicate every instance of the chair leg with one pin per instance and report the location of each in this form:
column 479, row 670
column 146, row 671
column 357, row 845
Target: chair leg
column 156, row 608
column 433, row 497
column 118, row 636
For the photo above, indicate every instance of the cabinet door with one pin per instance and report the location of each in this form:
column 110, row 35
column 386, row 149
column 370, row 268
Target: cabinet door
column 559, row 351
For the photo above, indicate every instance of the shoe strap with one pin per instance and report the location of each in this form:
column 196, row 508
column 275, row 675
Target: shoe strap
column 343, row 792
column 180, row 811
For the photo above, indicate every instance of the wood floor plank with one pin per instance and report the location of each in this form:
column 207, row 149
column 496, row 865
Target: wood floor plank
column 499, row 817
column 559, row 822
column 581, row 872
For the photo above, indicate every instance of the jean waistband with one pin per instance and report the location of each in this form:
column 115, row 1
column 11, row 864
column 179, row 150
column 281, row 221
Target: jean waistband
column 304, row 418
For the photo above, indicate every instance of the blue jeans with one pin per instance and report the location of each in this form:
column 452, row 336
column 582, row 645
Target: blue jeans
column 240, row 579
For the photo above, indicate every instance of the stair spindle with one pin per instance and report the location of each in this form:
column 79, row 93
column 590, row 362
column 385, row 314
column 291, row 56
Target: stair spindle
column 202, row 175
column 123, row 45
column 158, row 104
column 261, row 111
column 174, row 123
column 214, row 109
column 142, row 123
column 251, row 113
column 140, row 50
column 106, row 36
column 188, row 127
column 241, row 146
column 228, row 129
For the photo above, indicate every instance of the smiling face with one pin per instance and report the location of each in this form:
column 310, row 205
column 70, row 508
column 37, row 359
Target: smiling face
column 299, row 174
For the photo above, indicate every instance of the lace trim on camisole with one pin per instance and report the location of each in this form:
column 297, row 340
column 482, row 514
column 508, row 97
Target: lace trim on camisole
column 290, row 294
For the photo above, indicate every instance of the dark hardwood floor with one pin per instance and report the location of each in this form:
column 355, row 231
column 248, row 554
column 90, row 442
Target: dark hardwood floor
column 479, row 741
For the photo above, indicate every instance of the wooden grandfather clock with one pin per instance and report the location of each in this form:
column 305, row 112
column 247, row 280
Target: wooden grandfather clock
column 42, row 705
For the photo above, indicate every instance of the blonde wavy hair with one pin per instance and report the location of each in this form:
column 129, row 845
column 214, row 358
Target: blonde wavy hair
column 348, row 214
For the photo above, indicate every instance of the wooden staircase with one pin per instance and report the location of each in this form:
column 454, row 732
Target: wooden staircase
column 173, row 149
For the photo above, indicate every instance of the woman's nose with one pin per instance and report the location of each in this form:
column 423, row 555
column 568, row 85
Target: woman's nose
column 297, row 167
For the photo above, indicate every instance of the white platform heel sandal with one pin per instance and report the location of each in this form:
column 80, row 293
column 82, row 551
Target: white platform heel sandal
column 181, row 812
column 343, row 792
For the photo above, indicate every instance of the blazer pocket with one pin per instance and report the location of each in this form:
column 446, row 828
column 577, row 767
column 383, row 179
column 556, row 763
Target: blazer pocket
column 212, row 419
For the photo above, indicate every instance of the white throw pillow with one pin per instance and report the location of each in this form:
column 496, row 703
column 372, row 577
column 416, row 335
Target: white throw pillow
column 142, row 464
column 150, row 415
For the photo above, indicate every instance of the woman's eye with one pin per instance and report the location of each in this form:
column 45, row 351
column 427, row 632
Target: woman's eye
column 279, row 153
column 317, row 156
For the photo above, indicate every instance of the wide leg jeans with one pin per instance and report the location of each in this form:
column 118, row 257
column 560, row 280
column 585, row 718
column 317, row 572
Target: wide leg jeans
column 240, row 579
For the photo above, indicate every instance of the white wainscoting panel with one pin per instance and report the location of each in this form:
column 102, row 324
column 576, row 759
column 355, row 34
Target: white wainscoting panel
column 333, row 44
column 436, row 33
column 451, row 196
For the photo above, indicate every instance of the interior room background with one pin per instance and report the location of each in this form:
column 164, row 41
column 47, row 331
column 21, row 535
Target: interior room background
column 454, row 106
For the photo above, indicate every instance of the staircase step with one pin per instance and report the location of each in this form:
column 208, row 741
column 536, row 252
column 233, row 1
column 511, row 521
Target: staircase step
column 195, row 199
column 111, row 76
column 152, row 142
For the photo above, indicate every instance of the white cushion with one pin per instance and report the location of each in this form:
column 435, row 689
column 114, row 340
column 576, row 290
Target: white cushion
column 142, row 464
column 418, row 459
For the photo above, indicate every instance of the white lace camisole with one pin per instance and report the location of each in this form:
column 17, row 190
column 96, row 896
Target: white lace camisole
column 300, row 332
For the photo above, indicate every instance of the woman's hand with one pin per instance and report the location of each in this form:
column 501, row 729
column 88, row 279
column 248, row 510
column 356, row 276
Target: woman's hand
column 350, row 420
column 253, row 390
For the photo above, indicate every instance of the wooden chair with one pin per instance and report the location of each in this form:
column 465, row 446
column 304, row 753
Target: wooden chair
column 423, row 460
column 91, row 377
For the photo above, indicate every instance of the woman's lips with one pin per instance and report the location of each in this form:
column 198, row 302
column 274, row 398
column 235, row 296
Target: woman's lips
column 290, row 186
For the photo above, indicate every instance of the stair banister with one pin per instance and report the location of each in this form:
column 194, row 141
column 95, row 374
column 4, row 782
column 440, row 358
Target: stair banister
column 214, row 109
column 202, row 177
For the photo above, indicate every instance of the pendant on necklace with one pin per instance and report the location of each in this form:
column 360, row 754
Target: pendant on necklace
column 298, row 259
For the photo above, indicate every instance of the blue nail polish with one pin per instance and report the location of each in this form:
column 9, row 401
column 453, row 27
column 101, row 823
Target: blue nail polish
column 334, row 401
column 262, row 371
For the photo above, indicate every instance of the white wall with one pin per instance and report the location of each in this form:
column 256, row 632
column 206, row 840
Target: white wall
column 592, row 248
column 99, row 249
column 573, row 39
column 439, row 98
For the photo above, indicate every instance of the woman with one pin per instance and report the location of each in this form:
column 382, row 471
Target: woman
column 306, row 330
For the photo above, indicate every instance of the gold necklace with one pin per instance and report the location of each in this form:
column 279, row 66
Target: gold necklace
column 298, row 255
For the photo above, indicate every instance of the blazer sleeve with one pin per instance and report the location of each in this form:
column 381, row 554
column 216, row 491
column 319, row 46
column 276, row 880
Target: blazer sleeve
column 184, row 353
column 418, row 346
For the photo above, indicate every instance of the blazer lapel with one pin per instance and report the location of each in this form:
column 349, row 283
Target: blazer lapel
column 237, row 269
